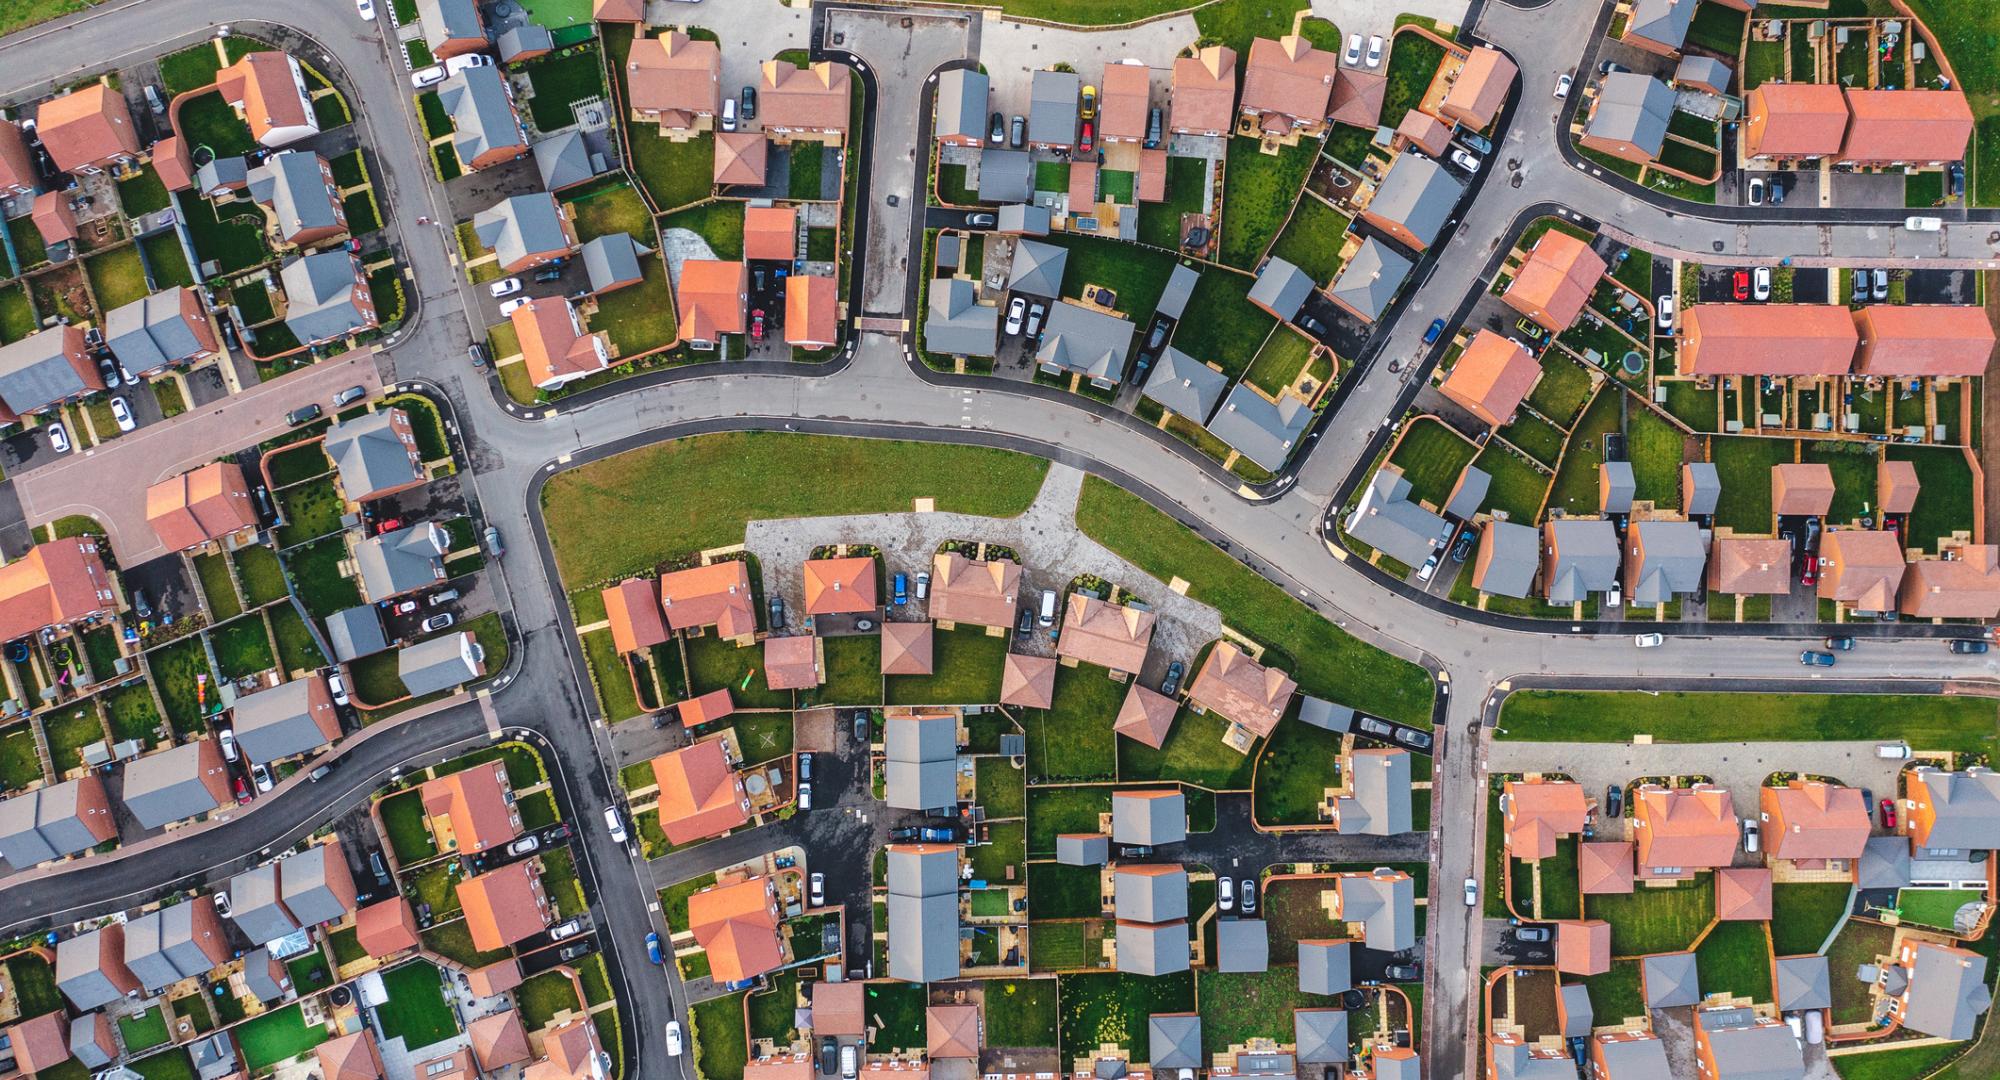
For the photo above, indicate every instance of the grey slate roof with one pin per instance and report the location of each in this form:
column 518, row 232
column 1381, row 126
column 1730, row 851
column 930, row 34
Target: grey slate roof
column 257, row 975
column 1380, row 805
column 1385, row 907
column 319, row 295
column 1586, row 560
column 1006, row 176
column 1676, row 552
column 482, row 115
column 1803, row 983
column 923, row 914
column 1319, row 1034
column 1664, row 21
column 355, row 632
column 957, row 324
column 1085, row 340
column 1418, row 194
column 1633, row 108
column 257, row 907
column 1517, row 554
column 290, row 183
column 1150, row 897
column 961, row 104
column 1370, row 279
column 922, row 755
column 1747, row 1051
column 214, row 1057
column 1023, row 218
column 1706, row 489
column 1150, row 948
column 57, row 821
column 563, row 160
column 1670, row 980
column 42, row 824
column 1386, row 520
column 1083, row 849
column 20, row 843
column 1175, row 1039
column 1704, row 70
column 446, row 19
column 278, row 722
column 1947, row 993
column 411, row 557
column 149, row 332
column 78, row 974
column 1967, row 808
column 1885, row 863
column 1468, row 493
column 1242, row 945
column 83, row 1042
column 439, row 663
column 1148, row 821
column 1281, row 287
column 1037, row 269
column 1616, row 487
column 167, row 786
column 1407, row 1068
column 222, row 172
column 523, row 225
column 1512, row 1061
column 1576, row 1010
column 612, row 259
column 1053, row 100
column 524, row 38
column 1322, row 713
column 35, row 372
column 145, row 953
column 1260, row 429
column 302, row 879
column 1324, row 967
column 1636, row 1059
column 1180, row 286
column 1185, row 385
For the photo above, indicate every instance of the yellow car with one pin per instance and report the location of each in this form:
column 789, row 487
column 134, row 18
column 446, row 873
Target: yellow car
column 1089, row 103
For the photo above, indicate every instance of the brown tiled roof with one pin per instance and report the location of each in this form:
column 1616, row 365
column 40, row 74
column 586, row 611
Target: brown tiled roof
column 1923, row 339
column 195, row 507
column 1425, row 132
column 637, row 620
column 1751, row 565
column 1289, row 77
column 1082, row 185
column 1801, row 488
column 569, row 1048
column 715, row 595
column 1204, row 93
column 1604, row 867
column 707, row 708
column 17, row 166
column 906, row 648
column 1743, row 894
column 1556, row 280
column 672, row 74
column 699, row 795
column 628, row 11
column 1491, row 377
column 1028, row 681
column 1123, row 98
column 813, row 98
column 1966, row 586
column 457, row 1065
column 737, row 924
column 1538, row 813
column 171, row 162
column 812, row 310
column 1906, row 125
column 1690, row 828
column 495, row 978
column 52, row 217
column 553, row 345
column 386, row 927
column 1767, row 339
column 499, row 1039
column 970, row 591
column 1242, row 690
column 839, row 1008
column 261, row 84
column 1583, row 946
column 350, row 1057
column 770, row 232
column 1114, row 636
column 1480, row 89
column 952, row 1031
column 53, row 584
column 791, row 663
column 1357, row 97
column 473, row 802
column 840, row 586
column 1146, row 716
column 41, row 1043
column 1794, row 120
column 1896, row 486
column 741, row 157
column 712, row 296
column 1151, row 181
column 1812, row 819
column 504, row 906
column 1863, row 568
column 86, row 126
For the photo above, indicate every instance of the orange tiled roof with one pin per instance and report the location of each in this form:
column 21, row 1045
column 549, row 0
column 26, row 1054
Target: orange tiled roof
column 738, row 925
column 1583, row 946
column 1289, row 77
column 637, row 620
column 205, row 504
column 791, row 663
column 1751, row 565
column 41, row 1043
column 1767, row 339
column 1556, row 280
column 498, row 1039
column 1114, row 636
column 86, row 127
column 261, row 84
column 1146, row 716
column 707, row 708
column 1812, row 819
column 1357, row 97
column 907, row 648
column 1082, row 186
column 1123, row 97
column 1425, row 132
column 952, row 1031
column 17, row 166
column 1204, row 90
column 741, row 157
column 1151, row 181
column 53, row 219
column 53, row 584
column 1917, row 126
column 1896, row 486
column 840, row 586
column 813, row 98
column 1794, row 120
column 504, row 906
column 839, row 1008
column 812, row 310
column 630, row 11
column 770, row 232
column 1966, row 586
column 1538, row 813
column 675, row 76
column 474, row 802
column 386, row 927
column 1939, row 340
column 1242, row 690
column 1480, row 89
column 1604, row 866
column 1743, row 893
column 1028, row 681
column 553, row 344
column 1863, row 568
column 712, row 296
column 350, row 1057
column 495, row 978
column 971, row 591
column 1689, row 828
column 570, row 1048
column 715, row 595
column 170, row 161
column 1491, row 377
column 700, row 796
column 1801, row 488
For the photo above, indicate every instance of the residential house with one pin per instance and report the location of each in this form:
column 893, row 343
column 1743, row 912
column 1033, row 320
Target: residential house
column 1962, row 583
column 1508, row 557
column 1325, row 966
column 472, row 810
column 1932, row 340
column 1741, row 1044
column 1659, row 26
column 355, row 632
column 316, row 885
column 770, row 232
column 1682, row 830
column 571, row 1053
column 1422, row 131
column 1479, row 89
column 45, row 369
column 523, row 42
column 1114, row 636
column 1905, row 128
column 1241, row 690
column 717, row 595
column 326, row 295
column 1951, row 813
column 1801, row 488
column 812, row 311
column 376, row 454
column 176, row 784
column 1743, row 894
column 1124, row 95
column 1151, row 948
column 675, row 81
column 622, row 11
column 268, row 89
column 1259, row 428
column 265, row 976
column 205, row 505
column 1669, row 980
column 17, row 166
column 1491, row 378
column 1861, row 568
column 485, row 129
column 1054, row 106
column 1085, row 341
column 498, row 1039
column 792, row 663
column 1287, row 87
column 526, row 231
column 1020, row 219
column 1383, row 902
column 401, row 560
column 221, row 176
column 1006, row 176
column 1028, row 682
column 713, row 297
column 91, row 1041
column 1148, row 818
column 1280, row 289
column 736, row 924
column 55, row 221
column 1150, row 892
column 1378, row 798
column 90, row 968
column 1583, row 947
column 55, row 584
column 160, row 329
column 286, row 720
column 55, row 822
column 1767, row 339
column 1754, row 566
column 451, row 27
column 1468, row 494
column 1370, row 280
column 386, row 928
column 979, row 592
column 1944, row 989
column 1630, row 120
column 1037, row 269
column 1555, row 281
column 1146, row 716
column 1414, row 201
column 555, row 347
column 907, row 648
column 611, row 262
column 565, row 160
column 956, row 323
column 1793, row 121
column 1664, row 560
column 87, row 130
column 1385, row 519
column 38, row 1045
column 841, row 586
column 1245, row 945
column 349, row 1057
column 1185, row 386
column 441, row 663
column 1204, row 92
column 960, row 119
column 810, row 103
column 637, row 620
column 175, row 942
column 1604, row 867
column 506, row 905
column 1537, row 813
column 1706, row 74
column 923, row 912
column 1616, row 487
column 706, row 708
column 700, row 794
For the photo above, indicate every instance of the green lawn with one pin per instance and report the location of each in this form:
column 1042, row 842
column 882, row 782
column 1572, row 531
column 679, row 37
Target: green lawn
column 1004, row 857
column 1056, row 891
column 1803, row 914
column 1431, row 456
column 416, row 1009
column 639, row 318
column 1656, row 448
column 613, row 208
column 1413, row 60
column 1576, row 478
column 276, row 1037
column 560, row 80
column 808, row 165
column 1056, row 810
column 1297, row 767
column 1966, row 33
column 143, row 1030
column 1858, row 943
column 1853, row 465
column 1535, row 437
column 1944, row 503
column 896, row 1015
column 1021, row 1012
column 1220, row 325
column 1280, row 361
column 409, row 835
column 143, row 193
column 1160, row 222
column 175, row 670
column 1112, row 1007
column 612, row 676
column 217, row 587
column 1616, row 994
column 1735, row 957
column 853, row 670
column 1311, row 240
column 315, row 574
column 965, row 669
column 720, row 1044
column 719, row 222
column 673, row 174
column 1073, row 740
column 310, row 511
column 17, row 314
column 1191, row 753
column 1239, row 1006
column 543, row 996
column 242, row 647
column 714, row 664
column 132, row 713
column 1001, row 787
column 1718, row 28
column 1943, row 723
column 1933, row 907
column 117, row 276
column 670, row 501
column 1136, row 274
column 1655, row 920
column 1898, row 1064
column 263, row 577
column 69, row 733
column 1258, row 192
column 207, row 120
column 453, row 941
column 235, row 243
column 1744, row 467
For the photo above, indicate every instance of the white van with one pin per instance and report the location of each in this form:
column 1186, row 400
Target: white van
column 848, row 1069
column 1896, row 751
column 729, row 113
column 1048, row 616
column 1923, row 223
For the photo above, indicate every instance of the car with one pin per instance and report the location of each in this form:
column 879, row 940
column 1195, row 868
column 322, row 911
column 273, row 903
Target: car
column 1087, row 108
column 438, row 622
column 1375, row 50
column 1376, row 726
column 1860, row 293
column 430, row 76
column 1888, row 809
column 1171, row 685
column 1563, row 85
column 1035, row 313
column 616, row 823
column 1880, row 280
column 1665, row 308
column 1649, row 641
column 493, row 545
column 227, row 737
column 1464, row 160
column 861, row 725
column 444, row 596
column 1017, row 132
column 981, row 221
column 304, row 414
column 551, row 272
column 1434, row 331
column 1756, row 193
column 729, row 114
column 1531, row 933
column 466, row 62
column 1614, row 800
column 848, row 1063
column 805, row 796
column 1967, row 647
column 757, row 325
column 1751, row 833
column 1475, row 141
column 777, row 611
column 336, row 684
column 805, row 766
column 242, row 787
column 1809, row 575
column 1158, row 336
column 1739, row 285
column 1086, row 141
column 1225, row 894
column 1401, row 973
column 1413, row 738
column 1471, row 892
column 1429, row 569
column 1840, row 644
column 366, row 9
column 749, row 96
column 121, row 413
column 1246, row 891
column 997, row 130
column 407, row 606
column 571, row 952
column 109, row 372
column 1814, row 658
column 1611, row 67
column 818, row 889
column 524, row 845
column 653, row 948
column 1155, row 124
column 261, row 776
column 1024, row 622
column 1760, row 283
column 1015, row 310
column 349, row 396
column 1956, row 173
column 476, row 353
column 1353, row 54
column 1777, row 191
column 511, row 306
column 901, row 588
column 1463, row 549
column 923, row 584
column 828, row 1048
column 1923, row 223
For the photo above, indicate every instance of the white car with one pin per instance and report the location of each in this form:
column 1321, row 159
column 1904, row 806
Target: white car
column 818, row 889
column 1471, row 892
column 366, row 9
column 566, row 930
column 430, row 76
column 1225, row 894
column 262, row 776
column 122, row 413
column 59, row 438
column 1353, row 54
column 1465, row 159
column 1649, row 641
column 674, row 1038
column 1666, row 311
column 1429, row 568
column 227, row 737
column 1014, row 312
column 1750, row 833
column 615, row 823
column 1760, row 283
column 511, row 306
column 438, row 622
column 504, row 287
column 338, row 687
column 466, row 60
column 524, row 845
column 1375, row 51
column 1562, row 86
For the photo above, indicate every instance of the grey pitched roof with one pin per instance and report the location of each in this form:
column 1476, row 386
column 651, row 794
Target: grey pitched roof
column 1260, row 429
column 214, row 1057
column 20, row 843
column 523, row 225
column 1175, row 1039
column 961, row 104
column 1468, row 493
column 35, row 371
column 1706, row 489
column 149, row 332
column 482, row 115
column 1967, row 808
column 144, row 953
column 1750, row 1051
column 439, row 663
column 1385, row 906
column 1517, row 554
column 1280, row 287
column 355, row 632
column 319, row 294
column 1324, row 967
column 957, row 324
column 1083, row 849
column 1664, row 21
column 446, row 19
column 1586, row 560
column 1006, row 176
column 1152, row 948
column 57, row 819
column 257, row 907
column 1038, row 268
column 221, row 173
column 279, row 722
column 1676, row 552
column 1380, row 805
column 1633, row 108
column 563, row 160
column 1418, row 194
column 78, row 972
column 612, row 259
column 1704, row 70
column 1885, row 863
column 1185, row 385
column 1670, row 980
column 1386, row 520
column 1023, row 218
column 1242, row 945
column 291, row 184
column 1320, row 1035
column 1408, row 1068
column 1513, row 1061
column 1947, row 993
column 1616, row 487
column 392, row 563
column 1576, row 1010
column 257, row 975
column 302, row 879
column 923, row 913
column 83, row 1042
column 1053, row 100
column 1370, row 279
column 1136, row 820
column 1322, row 713
column 1085, row 340
column 167, row 786
column 922, row 870
column 1180, row 286
column 1636, row 1059
column 524, row 38
column 1803, row 983
column 1150, row 897
column 922, row 755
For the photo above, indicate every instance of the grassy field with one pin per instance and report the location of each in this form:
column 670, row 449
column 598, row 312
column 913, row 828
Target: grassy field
column 1297, row 767
column 1112, row 1007
column 1311, row 240
column 1576, row 479
column 1056, row 891
column 117, row 277
column 1258, row 191
column 1239, row 1006
column 718, row 222
column 17, row 314
column 1413, row 60
column 1280, row 361
column 416, row 1008
column 1803, row 914
column 1021, row 1012
column 1616, row 994
column 1136, row 274
column 275, row 1037
column 896, row 1014
column 1899, row 1064
column 1220, row 325
column 853, row 670
column 560, row 80
column 1431, row 456
column 1189, row 754
column 1944, row 505
column 1001, row 787
column 614, row 208
column 673, row 174
column 1655, row 920
column 670, row 502
column 1073, row 740
column 1944, row 723
column 1656, row 448
column 409, row 836
column 1735, row 957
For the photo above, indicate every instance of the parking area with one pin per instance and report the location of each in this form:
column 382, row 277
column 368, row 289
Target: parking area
column 1883, row 190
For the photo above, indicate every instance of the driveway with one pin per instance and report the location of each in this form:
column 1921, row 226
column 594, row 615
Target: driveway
column 109, row 482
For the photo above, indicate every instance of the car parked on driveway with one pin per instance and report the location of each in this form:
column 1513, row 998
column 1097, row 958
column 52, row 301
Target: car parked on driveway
column 1171, row 685
column 438, row 622
column 121, row 414
column 1888, row 808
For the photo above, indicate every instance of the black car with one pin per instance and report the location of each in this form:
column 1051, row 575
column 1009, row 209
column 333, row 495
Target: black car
column 996, row 133
column 1172, row 683
column 304, row 414
column 749, row 103
column 1401, row 973
column 905, row 835
column 551, row 272
column 1840, row 644
column 828, row 1048
column 1153, row 129
column 777, row 612
column 1026, row 623
column 1968, row 648
column 861, row 725
column 1463, row 548
column 1414, row 739
column 1614, row 800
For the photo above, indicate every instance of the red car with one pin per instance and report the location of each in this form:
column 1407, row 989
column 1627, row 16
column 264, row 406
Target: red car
column 1888, row 813
column 243, row 792
column 390, row 525
column 1088, row 143
column 757, row 325
column 1740, row 285
column 1810, row 576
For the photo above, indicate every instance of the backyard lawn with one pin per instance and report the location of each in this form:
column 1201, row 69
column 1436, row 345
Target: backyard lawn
column 207, row 120
column 1160, row 223
column 1655, row 920
column 1944, row 723
column 1743, row 465
column 1617, row 994
column 613, row 208
column 1311, row 241
column 1858, row 943
column 1735, row 956
column 1944, row 501
column 1934, row 907
column 69, row 733
column 132, row 713
column 213, row 571
column 1656, row 448
column 544, row 996
column 674, row 174
column 639, row 318
column 17, row 314
column 719, row 1036
column 853, row 670
column 275, row 1037
column 176, row 669
column 1220, row 325
column 612, row 675
column 1056, row 891
column 559, row 81
column 1431, row 456
column 1073, row 740
column 1021, row 1012
column 409, row 835
column 242, row 647
column 1190, row 754
column 316, row 576
column 718, row 222
column 1803, row 914
column 965, row 669
column 1903, row 1063
column 1280, row 361
column 1563, row 389
column 235, row 243
column 1112, row 1007
column 1413, row 61
column 1000, row 786
column 1136, row 274
column 713, row 664
column 1576, row 479
column 1056, row 810
column 1966, row 34
column 1853, row 465
column 1298, row 765
column 1258, row 192
column 1239, row 1006
column 263, row 577
column 117, row 276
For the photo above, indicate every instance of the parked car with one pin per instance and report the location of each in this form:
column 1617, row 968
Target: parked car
column 1401, row 973
column 304, row 414
column 1461, row 550
column 757, row 325
column 615, row 822
column 828, row 1048
column 1088, row 105
column 1158, row 336
column 1018, row 133
column 1888, row 809
column 1429, row 568
column 1155, row 126
column 1476, row 142
column 524, row 845
column 749, row 103
column 1534, row 934
column 901, row 584
column 227, row 737
column 1035, row 313
column 1840, row 644
column 1614, row 800
column 861, row 725
column 504, row 287
column 1923, row 223
column 366, row 9
column 1649, row 641
column 1777, row 191
column 1353, row 54
column 818, row 889
column 1434, row 331
column 1171, row 685
column 121, row 414
column 1024, row 622
column 1860, row 293
column 493, row 545
column 805, row 766
column 476, row 353
column 1751, row 833
column 242, row 788
column 1464, row 160
column 466, row 62
column 981, row 221
column 1563, row 85
column 997, row 135
column 1135, row 851
column 337, row 685
column 1016, row 309
column 1086, row 141
column 441, row 597
column 1966, row 647
column 729, row 114
column 1739, row 285
column 1893, row 751
column 1814, row 658
column 108, row 371
column 1471, row 892
column 1756, row 193
column 1956, row 173
column 1413, row 738
column 349, row 396
column 551, row 272
column 262, row 777
column 425, row 77
column 1375, row 51
column 923, row 584
column 805, row 796
column 1225, row 894
column 1880, row 281
column 1611, row 67
column 777, row 610
column 1376, row 726
column 1247, row 891
column 438, row 622
column 1760, row 288
column 508, row 308
column 653, row 948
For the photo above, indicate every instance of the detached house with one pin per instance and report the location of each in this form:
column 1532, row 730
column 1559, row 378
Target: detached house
column 326, row 296
column 716, row 595
column 1114, row 636
column 269, row 90
column 1204, row 92
column 675, row 82
column 1556, row 281
column 44, row 370
column 1631, row 115
column 1539, row 813
column 554, row 345
column 1241, row 690
column 1491, row 377
column 451, row 27
column 1480, row 88
column 485, row 131
column 1287, row 88
column 17, row 165
column 526, row 231
column 1943, row 989
column 376, row 455
column 1682, row 830
column 296, row 188
column 736, row 924
column 1948, row 814
column 713, row 299
column 88, row 130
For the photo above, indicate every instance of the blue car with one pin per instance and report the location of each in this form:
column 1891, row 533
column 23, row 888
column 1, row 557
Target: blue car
column 1811, row 658
column 1436, row 329
column 653, row 948
column 902, row 589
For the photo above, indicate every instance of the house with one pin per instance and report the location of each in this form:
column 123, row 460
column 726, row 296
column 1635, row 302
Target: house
column 316, row 885
column 1681, row 830
column 839, row 1008
column 812, row 311
column 1952, row 812
column 1422, row 131
column 1385, row 519
column 804, row 103
column 1084, row 341
column 523, row 42
column 1664, row 560
column 1896, row 486
column 1028, row 682
column 1555, row 281
column 91, row 1041
column 472, row 810
column 1383, row 902
column 1379, row 800
column 90, row 968
column 923, row 912
column 1934, row 340
column 1491, row 377
column 1539, row 812
column 1669, row 980
column 1370, row 280
column 1885, row 863
column 1604, row 867
column 623, row 11
column 1151, row 948
column 45, row 369
column 1124, row 95
column 88, row 130
column 1148, row 818
column 176, row 784
column 355, row 632
column 637, row 621
column 175, row 942
column 286, row 720
column 1185, row 386
column 792, row 663
column 1740, row 1044
column 770, row 232
column 1204, row 92
column 485, row 129
column 979, row 592
column 1751, row 566
column 160, row 329
column 206, row 505
column 1054, row 105
column 1325, row 966
column 1704, row 73
column 1414, row 201
column 1280, row 289
column 706, row 708
column 1150, row 892
column 1793, row 121
column 841, row 586
column 526, row 231
column 1583, row 947
column 55, row 822
column 38, row 1045
column 1480, row 88
column 675, row 81
column 1701, row 488
column 952, row 1031
column 717, row 595
column 611, row 262
column 498, row 1039
column 713, row 296
column 1579, row 557
column 1037, row 269
column 1861, row 568
column 376, row 454
column 736, row 923
column 265, row 976
column 53, row 585
column 442, row 663
column 54, row 219
column 1659, row 26
column 506, row 905
column 402, row 560
column 1241, row 690
column 1114, row 636
column 1905, row 128
column 1743, row 894
column 1963, row 583
column 386, row 927
column 1803, row 983
column 1082, row 849
column 17, row 166
column 326, row 296
column 555, row 347
column 907, row 648
column 564, row 160
column 350, row 1057
column 1801, row 488
column 1508, row 557
column 268, row 89
column 451, row 27
column 1146, row 716
column 956, row 323
column 1287, row 87
column 1767, row 339
column 1259, row 428
column 1630, row 120
column 921, row 751
column 1944, row 989
column 571, row 1053
column 960, row 119
column 700, row 794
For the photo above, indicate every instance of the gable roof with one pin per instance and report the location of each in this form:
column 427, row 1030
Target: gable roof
column 564, row 160
column 1084, row 340
column 86, row 126
column 1509, row 556
column 1480, row 88
column 322, row 297
column 962, row 94
column 1751, row 565
column 1150, row 892
column 482, row 113
column 43, row 368
column 675, row 76
column 208, row 503
column 175, row 784
column 810, row 98
column 980, row 592
column 1150, row 818
column 290, row 718
column 1938, row 340
column 1701, row 487
column 1385, row 905
column 1185, row 386
column 1919, row 126
column 1580, row 557
column 1801, row 488
column 1861, row 567
column 1666, row 559
column 1663, row 21
column 770, row 232
column 633, row 608
column 1288, row 78
column 1006, row 176
column 444, row 662
column 1418, row 194
column 1152, row 948
column 1204, row 90
column 1053, row 101
column 1082, row 849
column 713, row 295
column 270, row 90
column 1794, row 120
column 1556, row 280
column 1539, row 812
column 791, row 662
column 159, row 328
column 923, row 912
column 1689, row 828
column 812, row 303
column 1767, row 339
column 523, row 227
column 955, row 323
column 1114, row 636
column 1963, row 585
column 1947, row 991
column 475, row 805
column 1380, row 803
column 921, row 748
column 717, row 595
column 396, row 562
column 1281, row 288
column 737, row 923
column 1385, row 519
column 1491, row 377
column 316, row 884
column 1633, row 109
column 1261, row 429
column 1241, row 690
column 700, row 795
column 1812, row 819
column 350, row 1057
column 504, row 906
column 1123, row 96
